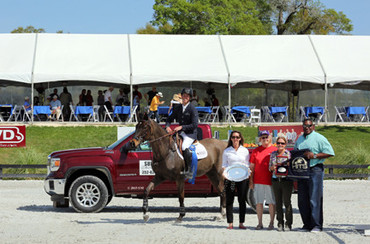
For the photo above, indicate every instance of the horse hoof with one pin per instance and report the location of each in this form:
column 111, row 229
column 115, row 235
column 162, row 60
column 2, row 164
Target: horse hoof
column 146, row 217
column 178, row 220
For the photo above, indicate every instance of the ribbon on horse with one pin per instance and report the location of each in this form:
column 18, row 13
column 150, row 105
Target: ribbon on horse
column 194, row 164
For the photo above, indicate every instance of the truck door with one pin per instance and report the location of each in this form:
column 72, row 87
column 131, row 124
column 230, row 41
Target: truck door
column 134, row 173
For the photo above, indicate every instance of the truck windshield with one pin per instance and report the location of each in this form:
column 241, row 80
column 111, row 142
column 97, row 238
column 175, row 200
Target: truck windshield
column 119, row 141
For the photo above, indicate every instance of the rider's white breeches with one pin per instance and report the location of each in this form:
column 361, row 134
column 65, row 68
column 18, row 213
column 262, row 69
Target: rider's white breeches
column 186, row 141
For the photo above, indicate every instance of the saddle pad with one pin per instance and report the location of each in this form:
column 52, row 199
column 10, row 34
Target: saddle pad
column 200, row 150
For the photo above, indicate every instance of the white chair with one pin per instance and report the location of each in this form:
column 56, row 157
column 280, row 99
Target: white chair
column 366, row 116
column 285, row 117
column 133, row 116
column 26, row 116
column 266, row 114
column 321, row 117
column 73, row 115
column 16, row 113
column 303, row 113
column 96, row 113
column 255, row 116
column 108, row 114
column 341, row 115
column 214, row 115
column 229, row 116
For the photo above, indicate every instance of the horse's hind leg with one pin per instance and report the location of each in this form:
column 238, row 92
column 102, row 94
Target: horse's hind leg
column 156, row 181
column 181, row 192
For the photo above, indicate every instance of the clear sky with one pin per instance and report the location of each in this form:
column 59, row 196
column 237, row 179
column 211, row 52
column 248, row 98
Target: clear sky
column 123, row 16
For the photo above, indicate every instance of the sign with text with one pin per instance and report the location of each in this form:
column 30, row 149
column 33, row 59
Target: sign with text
column 13, row 136
column 291, row 132
column 146, row 167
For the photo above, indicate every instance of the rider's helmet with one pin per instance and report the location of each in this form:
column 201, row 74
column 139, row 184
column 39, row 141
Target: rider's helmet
column 188, row 91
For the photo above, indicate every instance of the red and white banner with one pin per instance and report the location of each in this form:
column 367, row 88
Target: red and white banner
column 13, row 136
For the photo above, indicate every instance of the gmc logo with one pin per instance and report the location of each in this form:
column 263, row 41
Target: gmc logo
column 13, row 136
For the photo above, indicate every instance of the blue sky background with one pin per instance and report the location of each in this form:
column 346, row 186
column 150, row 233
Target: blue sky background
column 123, row 16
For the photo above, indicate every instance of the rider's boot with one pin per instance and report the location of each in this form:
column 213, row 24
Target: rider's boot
column 188, row 156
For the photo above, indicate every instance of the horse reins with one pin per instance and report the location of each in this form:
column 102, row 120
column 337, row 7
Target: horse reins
column 160, row 138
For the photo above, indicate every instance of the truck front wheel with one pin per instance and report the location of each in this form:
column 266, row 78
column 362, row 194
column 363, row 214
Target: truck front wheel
column 88, row 194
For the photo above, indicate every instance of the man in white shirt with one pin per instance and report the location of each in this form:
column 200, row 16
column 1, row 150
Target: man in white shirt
column 108, row 98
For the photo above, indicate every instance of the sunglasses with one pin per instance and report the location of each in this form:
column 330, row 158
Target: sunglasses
column 264, row 137
column 235, row 137
column 280, row 143
column 307, row 126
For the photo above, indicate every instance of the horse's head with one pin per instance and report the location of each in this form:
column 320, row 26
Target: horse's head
column 144, row 131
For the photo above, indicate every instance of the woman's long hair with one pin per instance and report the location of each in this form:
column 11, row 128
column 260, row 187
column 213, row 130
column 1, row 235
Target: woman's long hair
column 241, row 142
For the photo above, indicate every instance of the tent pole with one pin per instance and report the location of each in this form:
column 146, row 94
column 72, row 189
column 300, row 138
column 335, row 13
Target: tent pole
column 33, row 76
column 129, row 55
column 228, row 117
column 325, row 80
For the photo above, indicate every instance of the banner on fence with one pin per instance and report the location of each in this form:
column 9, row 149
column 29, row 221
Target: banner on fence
column 13, row 136
column 290, row 132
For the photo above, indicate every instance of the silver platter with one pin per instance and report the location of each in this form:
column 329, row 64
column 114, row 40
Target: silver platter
column 237, row 172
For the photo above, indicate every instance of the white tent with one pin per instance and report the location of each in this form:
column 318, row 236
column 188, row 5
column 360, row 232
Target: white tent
column 345, row 59
column 68, row 57
column 16, row 58
column 145, row 59
column 280, row 62
column 161, row 58
column 272, row 59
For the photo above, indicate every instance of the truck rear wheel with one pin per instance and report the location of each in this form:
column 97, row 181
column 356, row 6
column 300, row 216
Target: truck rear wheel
column 88, row 194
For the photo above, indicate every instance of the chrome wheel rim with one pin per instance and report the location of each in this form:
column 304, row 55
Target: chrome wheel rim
column 88, row 195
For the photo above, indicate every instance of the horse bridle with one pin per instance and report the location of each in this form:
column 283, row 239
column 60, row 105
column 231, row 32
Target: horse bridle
column 154, row 140
column 159, row 138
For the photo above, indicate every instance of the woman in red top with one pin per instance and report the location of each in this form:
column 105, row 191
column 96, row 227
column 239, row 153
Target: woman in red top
column 260, row 179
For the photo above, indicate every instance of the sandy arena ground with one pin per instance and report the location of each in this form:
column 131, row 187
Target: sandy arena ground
column 27, row 216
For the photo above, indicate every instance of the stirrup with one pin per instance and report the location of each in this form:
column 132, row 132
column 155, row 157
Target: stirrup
column 188, row 174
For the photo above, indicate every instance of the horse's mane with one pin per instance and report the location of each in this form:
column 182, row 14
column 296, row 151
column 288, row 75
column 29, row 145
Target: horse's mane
column 157, row 127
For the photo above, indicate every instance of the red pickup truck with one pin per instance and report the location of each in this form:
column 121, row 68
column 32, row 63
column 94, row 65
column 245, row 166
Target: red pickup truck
column 88, row 178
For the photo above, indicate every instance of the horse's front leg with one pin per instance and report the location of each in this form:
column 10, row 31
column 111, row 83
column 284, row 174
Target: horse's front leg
column 156, row 181
column 181, row 193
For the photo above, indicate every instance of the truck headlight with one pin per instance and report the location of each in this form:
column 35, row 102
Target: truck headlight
column 54, row 164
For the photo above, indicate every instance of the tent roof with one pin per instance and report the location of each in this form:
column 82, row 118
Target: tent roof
column 344, row 58
column 272, row 59
column 160, row 58
column 16, row 59
column 82, row 57
column 145, row 59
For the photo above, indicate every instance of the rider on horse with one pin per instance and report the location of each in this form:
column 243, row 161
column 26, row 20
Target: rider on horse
column 187, row 117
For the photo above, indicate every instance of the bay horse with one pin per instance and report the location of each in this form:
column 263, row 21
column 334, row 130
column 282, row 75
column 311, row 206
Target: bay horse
column 168, row 165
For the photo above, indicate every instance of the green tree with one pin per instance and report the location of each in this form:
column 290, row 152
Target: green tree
column 231, row 17
column 150, row 29
column 307, row 17
column 28, row 29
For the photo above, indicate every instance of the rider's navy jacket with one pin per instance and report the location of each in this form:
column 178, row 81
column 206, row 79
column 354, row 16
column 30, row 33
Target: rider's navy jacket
column 187, row 119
